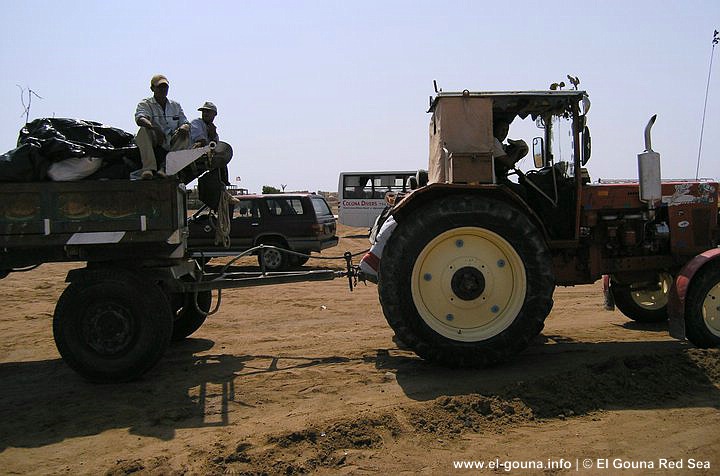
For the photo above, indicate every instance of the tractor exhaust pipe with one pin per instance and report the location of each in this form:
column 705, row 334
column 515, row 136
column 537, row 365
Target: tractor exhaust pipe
column 649, row 171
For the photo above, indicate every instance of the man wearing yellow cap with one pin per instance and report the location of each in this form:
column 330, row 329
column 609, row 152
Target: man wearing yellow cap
column 162, row 124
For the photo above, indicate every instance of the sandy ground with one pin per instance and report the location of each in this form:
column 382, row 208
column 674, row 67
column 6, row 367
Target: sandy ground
column 305, row 378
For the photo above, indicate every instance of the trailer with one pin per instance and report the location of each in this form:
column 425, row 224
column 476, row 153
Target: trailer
column 139, row 289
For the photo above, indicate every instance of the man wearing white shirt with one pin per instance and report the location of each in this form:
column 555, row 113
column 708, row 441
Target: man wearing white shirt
column 203, row 130
column 162, row 125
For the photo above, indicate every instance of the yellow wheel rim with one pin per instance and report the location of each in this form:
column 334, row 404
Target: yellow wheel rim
column 711, row 310
column 468, row 284
column 656, row 298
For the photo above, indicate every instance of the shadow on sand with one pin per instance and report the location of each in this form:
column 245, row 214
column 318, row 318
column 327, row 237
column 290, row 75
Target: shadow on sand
column 44, row 402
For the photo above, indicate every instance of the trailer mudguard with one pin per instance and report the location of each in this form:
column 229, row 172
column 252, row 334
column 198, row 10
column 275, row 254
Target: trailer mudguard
column 680, row 287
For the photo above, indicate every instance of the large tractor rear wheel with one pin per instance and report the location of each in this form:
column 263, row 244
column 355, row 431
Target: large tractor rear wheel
column 643, row 302
column 702, row 311
column 466, row 281
column 112, row 325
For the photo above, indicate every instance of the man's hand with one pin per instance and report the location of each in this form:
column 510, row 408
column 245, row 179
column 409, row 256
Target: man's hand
column 182, row 130
column 156, row 133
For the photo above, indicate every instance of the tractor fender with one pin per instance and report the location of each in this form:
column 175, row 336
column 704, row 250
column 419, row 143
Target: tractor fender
column 419, row 197
column 679, row 290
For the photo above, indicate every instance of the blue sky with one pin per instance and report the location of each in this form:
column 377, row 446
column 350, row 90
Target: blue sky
column 307, row 89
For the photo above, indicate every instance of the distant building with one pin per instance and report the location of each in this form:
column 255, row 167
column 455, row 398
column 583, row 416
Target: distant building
column 234, row 190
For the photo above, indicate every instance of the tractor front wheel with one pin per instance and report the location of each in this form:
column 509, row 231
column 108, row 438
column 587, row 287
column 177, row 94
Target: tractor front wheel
column 702, row 311
column 643, row 302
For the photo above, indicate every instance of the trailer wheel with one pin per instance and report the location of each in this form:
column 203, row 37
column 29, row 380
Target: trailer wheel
column 112, row 325
column 466, row 281
column 640, row 304
column 275, row 259
column 702, row 312
column 189, row 318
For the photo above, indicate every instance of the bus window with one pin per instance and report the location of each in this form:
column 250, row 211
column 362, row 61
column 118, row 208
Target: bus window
column 361, row 195
column 357, row 187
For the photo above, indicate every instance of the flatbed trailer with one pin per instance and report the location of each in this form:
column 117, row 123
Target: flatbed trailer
column 139, row 289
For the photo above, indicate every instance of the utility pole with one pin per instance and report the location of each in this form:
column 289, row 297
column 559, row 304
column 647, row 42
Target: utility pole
column 715, row 41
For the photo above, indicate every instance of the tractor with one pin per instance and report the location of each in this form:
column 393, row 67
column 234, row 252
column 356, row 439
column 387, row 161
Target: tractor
column 468, row 274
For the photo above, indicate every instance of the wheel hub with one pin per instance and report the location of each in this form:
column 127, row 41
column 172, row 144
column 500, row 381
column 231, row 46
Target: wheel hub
column 468, row 283
column 272, row 258
column 655, row 296
column 108, row 329
column 711, row 310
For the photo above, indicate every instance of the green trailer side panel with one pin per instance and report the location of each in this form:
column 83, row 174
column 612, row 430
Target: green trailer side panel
column 68, row 221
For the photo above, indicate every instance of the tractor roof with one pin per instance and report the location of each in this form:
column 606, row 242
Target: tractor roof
column 523, row 103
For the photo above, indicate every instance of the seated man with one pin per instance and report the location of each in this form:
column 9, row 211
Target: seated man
column 203, row 130
column 163, row 125
column 506, row 156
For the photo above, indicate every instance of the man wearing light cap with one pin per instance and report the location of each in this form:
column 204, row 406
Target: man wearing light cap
column 202, row 129
column 163, row 125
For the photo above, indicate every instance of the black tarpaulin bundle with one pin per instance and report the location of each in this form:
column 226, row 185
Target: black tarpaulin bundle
column 44, row 141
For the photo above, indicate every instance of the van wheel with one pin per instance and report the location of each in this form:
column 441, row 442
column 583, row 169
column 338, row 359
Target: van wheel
column 112, row 325
column 275, row 259
column 300, row 260
column 702, row 312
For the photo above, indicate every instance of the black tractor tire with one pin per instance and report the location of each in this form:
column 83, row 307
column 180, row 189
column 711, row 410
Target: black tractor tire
column 188, row 317
column 275, row 259
column 112, row 325
column 702, row 307
column 642, row 306
column 521, row 281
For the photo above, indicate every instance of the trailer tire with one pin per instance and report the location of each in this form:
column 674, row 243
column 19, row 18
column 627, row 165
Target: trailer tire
column 466, row 281
column 643, row 306
column 188, row 318
column 702, row 312
column 112, row 325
